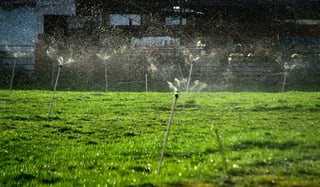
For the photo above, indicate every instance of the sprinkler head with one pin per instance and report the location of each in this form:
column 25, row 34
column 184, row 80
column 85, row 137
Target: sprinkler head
column 195, row 59
column 176, row 94
column 60, row 60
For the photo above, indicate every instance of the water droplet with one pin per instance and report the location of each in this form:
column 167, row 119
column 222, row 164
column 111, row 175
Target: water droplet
column 235, row 166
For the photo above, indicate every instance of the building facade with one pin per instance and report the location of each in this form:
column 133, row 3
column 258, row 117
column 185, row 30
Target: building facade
column 22, row 21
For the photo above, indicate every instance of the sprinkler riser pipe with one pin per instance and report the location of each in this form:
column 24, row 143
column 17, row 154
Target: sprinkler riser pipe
column 54, row 92
column 283, row 84
column 13, row 74
column 146, row 81
column 187, row 88
column 52, row 75
column 181, row 74
column 106, row 75
column 176, row 96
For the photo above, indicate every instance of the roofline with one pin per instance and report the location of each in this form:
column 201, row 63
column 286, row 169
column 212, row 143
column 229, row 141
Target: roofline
column 18, row 3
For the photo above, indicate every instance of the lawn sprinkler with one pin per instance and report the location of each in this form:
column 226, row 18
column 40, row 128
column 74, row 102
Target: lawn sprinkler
column 12, row 74
column 105, row 58
column 189, row 79
column 180, row 71
column 176, row 96
column 146, row 81
column 287, row 68
column 51, row 52
column 60, row 60
column 15, row 55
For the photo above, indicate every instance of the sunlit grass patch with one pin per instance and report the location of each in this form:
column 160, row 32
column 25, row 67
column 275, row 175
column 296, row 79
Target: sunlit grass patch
column 115, row 139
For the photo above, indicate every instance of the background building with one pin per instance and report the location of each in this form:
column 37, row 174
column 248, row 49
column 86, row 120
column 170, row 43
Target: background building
column 22, row 21
column 269, row 32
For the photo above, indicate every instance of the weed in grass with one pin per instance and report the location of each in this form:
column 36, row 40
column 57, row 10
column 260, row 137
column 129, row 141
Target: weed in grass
column 222, row 153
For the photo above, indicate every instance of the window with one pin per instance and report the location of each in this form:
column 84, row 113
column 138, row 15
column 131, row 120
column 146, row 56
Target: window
column 160, row 41
column 125, row 19
column 172, row 21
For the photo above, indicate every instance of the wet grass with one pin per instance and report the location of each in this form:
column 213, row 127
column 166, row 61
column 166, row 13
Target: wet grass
column 115, row 139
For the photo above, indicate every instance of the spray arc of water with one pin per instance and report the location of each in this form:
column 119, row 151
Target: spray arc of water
column 198, row 86
column 173, row 87
column 18, row 54
column 152, row 68
column 69, row 61
column 51, row 52
column 60, row 60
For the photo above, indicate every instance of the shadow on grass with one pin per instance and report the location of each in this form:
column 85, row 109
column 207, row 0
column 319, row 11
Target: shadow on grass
column 296, row 108
column 23, row 178
column 28, row 118
column 67, row 129
column 51, row 180
column 138, row 168
column 250, row 144
column 276, row 108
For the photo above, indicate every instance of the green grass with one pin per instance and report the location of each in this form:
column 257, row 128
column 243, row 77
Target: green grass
column 115, row 139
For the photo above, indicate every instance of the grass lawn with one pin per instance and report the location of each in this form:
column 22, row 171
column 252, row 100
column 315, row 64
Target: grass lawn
column 115, row 139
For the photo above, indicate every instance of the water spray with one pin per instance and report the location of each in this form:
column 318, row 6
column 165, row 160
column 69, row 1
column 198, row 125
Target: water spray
column 176, row 96
column 198, row 86
column 60, row 60
column 177, row 81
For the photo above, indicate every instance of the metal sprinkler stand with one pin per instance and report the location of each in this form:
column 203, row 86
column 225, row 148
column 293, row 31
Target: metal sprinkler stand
column 13, row 74
column 284, row 83
column 106, row 74
column 54, row 91
column 176, row 96
column 188, row 84
column 287, row 69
